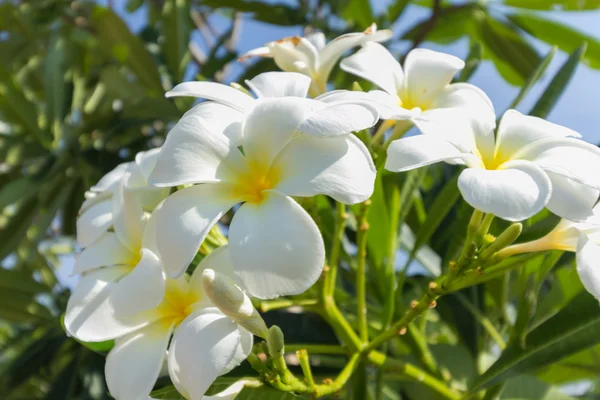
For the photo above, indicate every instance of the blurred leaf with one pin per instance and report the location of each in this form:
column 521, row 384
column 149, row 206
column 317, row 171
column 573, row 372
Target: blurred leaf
column 472, row 63
column 266, row 393
column 396, row 9
column 359, row 12
column 532, row 80
column 119, row 43
column 556, row 34
column 178, row 27
column 20, row 281
column 379, row 223
column 514, row 58
column 558, row 84
column 451, row 24
column 529, row 388
column 273, row 13
column 555, row 5
column 573, row 329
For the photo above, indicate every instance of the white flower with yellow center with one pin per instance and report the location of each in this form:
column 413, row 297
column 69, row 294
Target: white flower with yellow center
column 205, row 344
column 531, row 164
column 120, row 269
column 276, row 247
column 422, row 86
column 96, row 213
column 312, row 57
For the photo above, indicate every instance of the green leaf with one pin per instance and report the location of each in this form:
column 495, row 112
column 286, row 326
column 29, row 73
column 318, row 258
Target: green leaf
column 555, row 5
column 533, row 78
column 554, row 33
column 20, row 281
column 55, row 84
column 359, row 12
column 379, row 223
column 573, row 329
column 450, row 25
column 514, row 58
column 117, row 41
column 558, row 84
column 472, row 63
column 273, row 13
column 529, row 388
column 178, row 27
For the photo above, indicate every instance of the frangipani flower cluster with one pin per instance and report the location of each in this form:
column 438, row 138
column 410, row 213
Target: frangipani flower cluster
column 259, row 159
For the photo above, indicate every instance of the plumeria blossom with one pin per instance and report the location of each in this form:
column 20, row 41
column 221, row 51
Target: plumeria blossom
column 531, row 164
column 96, row 213
column 276, row 247
column 424, row 84
column 580, row 237
column 121, row 269
column 337, row 112
column 312, row 57
column 205, row 342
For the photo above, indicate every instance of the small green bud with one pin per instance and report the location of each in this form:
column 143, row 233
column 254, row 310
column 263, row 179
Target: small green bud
column 276, row 342
column 505, row 239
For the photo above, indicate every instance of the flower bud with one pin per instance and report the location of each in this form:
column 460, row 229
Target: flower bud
column 234, row 303
column 505, row 239
column 275, row 341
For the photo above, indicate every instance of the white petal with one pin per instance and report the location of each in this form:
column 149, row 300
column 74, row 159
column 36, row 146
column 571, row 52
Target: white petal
column 133, row 365
column 230, row 393
column 214, row 91
column 333, row 50
column 388, row 108
column 94, row 222
column 107, row 251
column 571, row 199
column 517, row 130
column 338, row 119
column 146, row 161
column 454, row 126
column 129, row 219
column 340, row 167
column 276, row 247
column 572, row 158
column 417, row 151
column 195, row 153
column 89, row 316
column 272, row 124
column 184, row 220
column 257, row 52
column 218, row 260
column 376, row 64
column 588, row 254
column 208, row 336
column 109, row 181
column 279, row 84
column 426, row 75
column 317, row 39
column 514, row 194
column 288, row 56
column 219, row 118
column 142, row 289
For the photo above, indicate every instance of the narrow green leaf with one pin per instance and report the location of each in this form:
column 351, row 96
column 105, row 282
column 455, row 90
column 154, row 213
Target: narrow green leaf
column 451, row 24
column 379, row 223
column 556, row 34
column 533, row 78
column 472, row 63
column 178, row 27
column 555, row 5
column 558, row 84
column 359, row 12
column 20, row 281
column 278, row 13
column 573, row 329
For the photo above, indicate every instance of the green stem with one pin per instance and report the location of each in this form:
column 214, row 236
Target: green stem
column 341, row 326
column 414, row 373
column 361, row 281
column 306, row 370
column 331, row 273
column 269, row 305
column 317, row 348
column 483, row 320
column 340, row 381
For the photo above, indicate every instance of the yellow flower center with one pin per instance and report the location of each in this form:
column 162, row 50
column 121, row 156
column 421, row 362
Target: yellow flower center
column 178, row 302
column 251, row 185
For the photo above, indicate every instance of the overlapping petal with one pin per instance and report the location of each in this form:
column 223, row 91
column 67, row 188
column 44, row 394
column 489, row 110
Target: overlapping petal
column 279, row 84
column 214, row 91
column 94, row 221
column 340, row 167
column 218, row 260
column 106, row 251
column 276, row 247
column 184, row 220
column 418, row 151
column 133, row 365
column 588, row 254
column 515, row 193
column 571, row 199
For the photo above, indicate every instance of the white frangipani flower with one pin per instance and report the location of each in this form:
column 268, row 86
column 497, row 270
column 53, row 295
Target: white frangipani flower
column 531, row 164
column 96, row 213
column 337, row 112
column 121, row 268
column 312, row 57
column 205, row 344
column 423, row 85
column 276, row 247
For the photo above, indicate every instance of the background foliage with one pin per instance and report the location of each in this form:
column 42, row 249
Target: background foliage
column 80, row 93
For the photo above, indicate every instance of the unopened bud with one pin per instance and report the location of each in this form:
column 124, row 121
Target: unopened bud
column 275, row 342
column 234, row 303
column 505, row 239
